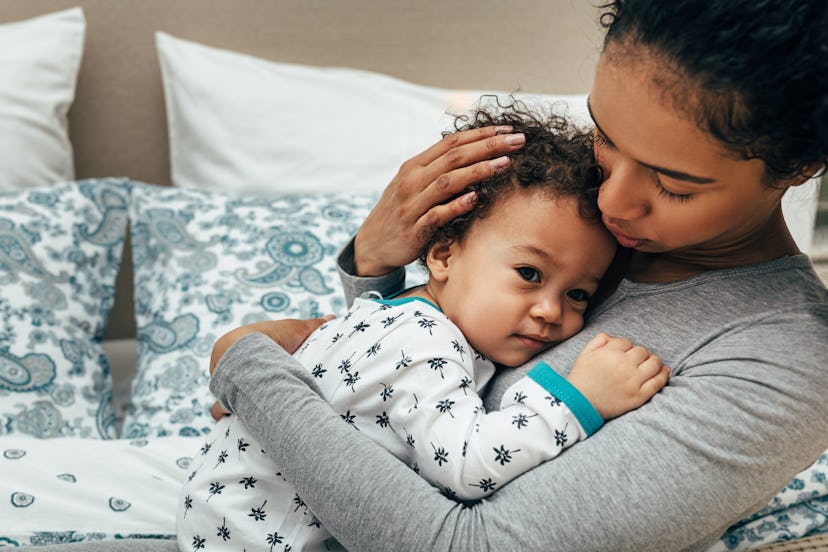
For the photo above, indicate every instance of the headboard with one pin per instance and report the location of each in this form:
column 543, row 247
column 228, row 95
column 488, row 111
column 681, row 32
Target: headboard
column 117, row 122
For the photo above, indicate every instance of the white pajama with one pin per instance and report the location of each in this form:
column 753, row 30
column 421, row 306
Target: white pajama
column 400, row 372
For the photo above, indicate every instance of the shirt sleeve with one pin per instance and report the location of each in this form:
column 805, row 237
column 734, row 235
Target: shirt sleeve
column 716, row 444
column 353, row 286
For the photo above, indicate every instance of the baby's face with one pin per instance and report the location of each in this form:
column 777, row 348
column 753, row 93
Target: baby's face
column 520, row 280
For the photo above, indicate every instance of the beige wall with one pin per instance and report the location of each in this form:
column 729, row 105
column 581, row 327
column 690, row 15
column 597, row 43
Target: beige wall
column 118, row 121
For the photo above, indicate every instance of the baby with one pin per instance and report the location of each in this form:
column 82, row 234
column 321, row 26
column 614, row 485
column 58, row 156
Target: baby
column 506, row 281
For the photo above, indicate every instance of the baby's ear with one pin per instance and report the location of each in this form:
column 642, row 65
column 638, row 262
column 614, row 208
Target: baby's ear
column 437, row 260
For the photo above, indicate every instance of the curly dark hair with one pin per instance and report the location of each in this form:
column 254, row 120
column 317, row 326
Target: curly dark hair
column 758, row 70
column 557, row 160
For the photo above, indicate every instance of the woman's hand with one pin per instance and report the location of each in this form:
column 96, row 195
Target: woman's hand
column 288, row 334
column 417, row 199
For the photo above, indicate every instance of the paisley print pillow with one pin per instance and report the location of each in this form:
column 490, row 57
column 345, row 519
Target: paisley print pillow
column 60, row 250
column 207, row 262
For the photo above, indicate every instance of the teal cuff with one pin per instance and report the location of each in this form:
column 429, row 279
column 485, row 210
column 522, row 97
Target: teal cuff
column 584, row 412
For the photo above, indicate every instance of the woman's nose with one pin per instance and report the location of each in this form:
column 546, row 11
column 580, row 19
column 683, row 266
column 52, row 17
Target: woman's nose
column 622, row 194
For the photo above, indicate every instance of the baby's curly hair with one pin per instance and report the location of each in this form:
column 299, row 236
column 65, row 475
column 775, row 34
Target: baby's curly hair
column 557, row 160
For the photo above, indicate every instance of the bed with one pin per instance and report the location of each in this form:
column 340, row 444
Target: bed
column 175, row 169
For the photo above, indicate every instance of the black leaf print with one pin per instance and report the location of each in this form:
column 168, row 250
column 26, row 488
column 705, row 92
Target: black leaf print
column 459, row 348
column 349, row 419
column 360, row 327
column 248, row 482
column 437, row 364
column 561, row 437
column 486, row 485
column 521, row 420
column 344, row 366
column 382, row 420
column 427, row 324
column 222, row 458
column 404, row 361
column 390, row 320
column 553, row 401
column 351, row 380
column 504, row 455
column 258, row 514
column 215, row 489
column 440, row 455
column 223, row 531
column 444, row 406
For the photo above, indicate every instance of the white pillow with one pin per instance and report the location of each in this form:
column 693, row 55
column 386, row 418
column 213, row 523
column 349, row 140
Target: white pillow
column 799, row 207
column 243, row 124
column 239, row 123
column 39, row 62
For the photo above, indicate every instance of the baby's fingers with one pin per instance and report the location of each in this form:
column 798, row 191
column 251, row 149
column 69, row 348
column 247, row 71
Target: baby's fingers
column 597, row 342
column 649, row 365
column 653, row 385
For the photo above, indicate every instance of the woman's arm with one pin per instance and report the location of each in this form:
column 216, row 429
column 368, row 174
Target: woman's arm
column 670, row 475
column 288, row 333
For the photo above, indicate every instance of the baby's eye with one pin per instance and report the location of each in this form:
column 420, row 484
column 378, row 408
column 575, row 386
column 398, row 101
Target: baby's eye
column 578, row 295
column 528, row 273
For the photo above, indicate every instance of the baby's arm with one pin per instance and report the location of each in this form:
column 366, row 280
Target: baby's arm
column 469, row 453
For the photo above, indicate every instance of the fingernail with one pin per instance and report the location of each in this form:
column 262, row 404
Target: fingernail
column 499, row 162
column 504, row 129
column 470, row 198
column 515, row 139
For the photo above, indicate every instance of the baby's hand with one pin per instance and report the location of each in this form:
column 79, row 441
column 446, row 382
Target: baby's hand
column 615, row 376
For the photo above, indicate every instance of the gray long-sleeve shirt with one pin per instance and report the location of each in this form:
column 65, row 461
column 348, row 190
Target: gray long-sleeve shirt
column 744, row 411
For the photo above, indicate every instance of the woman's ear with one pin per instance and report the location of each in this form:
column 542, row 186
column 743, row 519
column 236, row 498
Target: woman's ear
column 437, row 260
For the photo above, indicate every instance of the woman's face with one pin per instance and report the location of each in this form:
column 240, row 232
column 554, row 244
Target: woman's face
column 669, row 187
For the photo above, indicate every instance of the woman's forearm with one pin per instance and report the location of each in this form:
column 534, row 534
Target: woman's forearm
column 668, row 476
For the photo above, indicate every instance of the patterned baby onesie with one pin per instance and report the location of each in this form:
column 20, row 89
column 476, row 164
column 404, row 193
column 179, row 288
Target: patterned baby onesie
column 402, row 373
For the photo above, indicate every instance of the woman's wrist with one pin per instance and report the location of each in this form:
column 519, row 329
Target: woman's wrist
column 365, row 264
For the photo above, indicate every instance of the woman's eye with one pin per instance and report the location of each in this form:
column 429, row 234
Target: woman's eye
column 662, row 191
column 528, row 273
column 600, row 140
column 578, row 295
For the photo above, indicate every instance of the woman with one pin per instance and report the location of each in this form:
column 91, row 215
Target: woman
column 705, row 113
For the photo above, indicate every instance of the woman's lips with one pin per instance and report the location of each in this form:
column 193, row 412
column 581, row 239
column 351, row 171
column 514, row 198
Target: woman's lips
column 622, row 239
